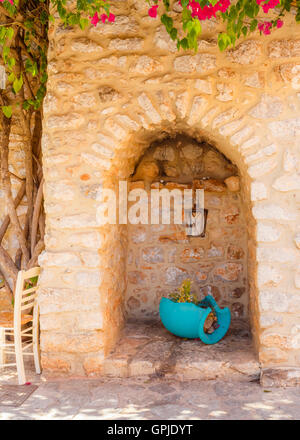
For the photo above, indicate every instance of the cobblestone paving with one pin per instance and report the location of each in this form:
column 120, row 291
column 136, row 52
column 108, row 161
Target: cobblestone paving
column 152, row 399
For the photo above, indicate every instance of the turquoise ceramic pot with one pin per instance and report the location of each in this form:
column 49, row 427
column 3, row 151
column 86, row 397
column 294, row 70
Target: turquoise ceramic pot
column 187, row 320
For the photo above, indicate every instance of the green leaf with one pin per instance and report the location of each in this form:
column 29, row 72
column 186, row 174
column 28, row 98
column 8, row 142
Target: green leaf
column 17, row 84
column 83, row 23
column 5, row 52
column 11, row 62
column 224, row 41
column 9, row 33
column 11, row 77
column 7, row 110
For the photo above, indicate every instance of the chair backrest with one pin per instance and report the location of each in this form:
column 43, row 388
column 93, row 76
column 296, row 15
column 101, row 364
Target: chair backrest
column 25, row 293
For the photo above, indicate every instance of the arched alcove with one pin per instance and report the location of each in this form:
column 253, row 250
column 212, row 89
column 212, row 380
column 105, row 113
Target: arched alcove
column 156, row 258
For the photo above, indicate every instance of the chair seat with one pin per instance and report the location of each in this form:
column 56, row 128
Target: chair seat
column 7, row 319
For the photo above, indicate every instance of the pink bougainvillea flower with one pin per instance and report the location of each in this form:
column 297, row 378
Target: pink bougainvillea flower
column 268, row 4
column 94, row 19
column 10, row 1
column 208, row 11
column 152, row 12
column 279, row 23
column 111, row 17
column 103, row 17
column 260, row 27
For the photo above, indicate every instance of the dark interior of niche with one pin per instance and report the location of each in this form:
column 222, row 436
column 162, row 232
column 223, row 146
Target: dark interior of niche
column 182, row 159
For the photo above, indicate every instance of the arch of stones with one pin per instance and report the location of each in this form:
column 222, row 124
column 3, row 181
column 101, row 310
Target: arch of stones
column 113, row 91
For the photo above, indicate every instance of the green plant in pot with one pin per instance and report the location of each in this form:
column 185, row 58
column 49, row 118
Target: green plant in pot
column 183, row 315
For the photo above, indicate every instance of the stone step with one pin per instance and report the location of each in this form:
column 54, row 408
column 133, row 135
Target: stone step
column 147, row 349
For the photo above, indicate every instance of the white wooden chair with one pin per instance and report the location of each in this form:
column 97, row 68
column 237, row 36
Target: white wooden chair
column 14, row 324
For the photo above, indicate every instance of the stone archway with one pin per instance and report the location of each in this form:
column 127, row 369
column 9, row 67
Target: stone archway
column 99, row 118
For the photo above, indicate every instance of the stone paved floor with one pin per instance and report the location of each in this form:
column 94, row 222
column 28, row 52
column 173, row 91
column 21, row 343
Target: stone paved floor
column 147, row 348
column 152, row 399
column 162, row 387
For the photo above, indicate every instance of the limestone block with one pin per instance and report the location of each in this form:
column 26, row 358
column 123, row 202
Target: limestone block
column 103, row 150
column 232, row 183
column 268, row 151
column 255, row 80
column 258, row 191
column 270, row 356
column 240, row 136
column 278, row 255
column 153, row 254
column 150, row 111
column 287, row 183
column 128, row 122
column 247, row 52
column 86, row 46
column 273, row 301
column 284, row 48
column 55, row 364
column 74, row 221
column 108, row 94
column 175, row 275
column 182, row 103
column 262, row 168
column 127, row 44
column 237, row 310
column 225, row 92
column 93, row 365
column 201, row 63
column 290, row 73
column 272, row 212
column 231, row 127
column 190, row 255
column 267, row 233
column 268, row 275
column 215, row 251
column 273, row 339
column 86, row 279
column 290, row 161
column 198, row 106
column 122, row 25
column 137, row 277
column 70, row 121
column 59, row 259
column 62, row 300
column 95, row 161
column 60, row 190
column 71, row 343
column 235, row 252
column 204, row 86
column 224, row 117
column 228, row 271
column 145, row 65
column 268, row 107
column 268, row 320
column 285, row 128
column 147, row 170
column 163, row 41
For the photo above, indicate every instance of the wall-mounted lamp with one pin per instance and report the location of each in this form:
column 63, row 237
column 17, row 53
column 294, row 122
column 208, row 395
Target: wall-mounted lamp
column 195, row 221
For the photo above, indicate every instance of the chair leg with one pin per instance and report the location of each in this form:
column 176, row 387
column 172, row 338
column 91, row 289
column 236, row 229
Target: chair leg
column 35, row 340
column 2, row 347
column 19, row 359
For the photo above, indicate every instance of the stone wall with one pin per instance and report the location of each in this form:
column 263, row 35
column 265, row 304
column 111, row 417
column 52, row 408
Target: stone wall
column 160, row 257
column 112, row 91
